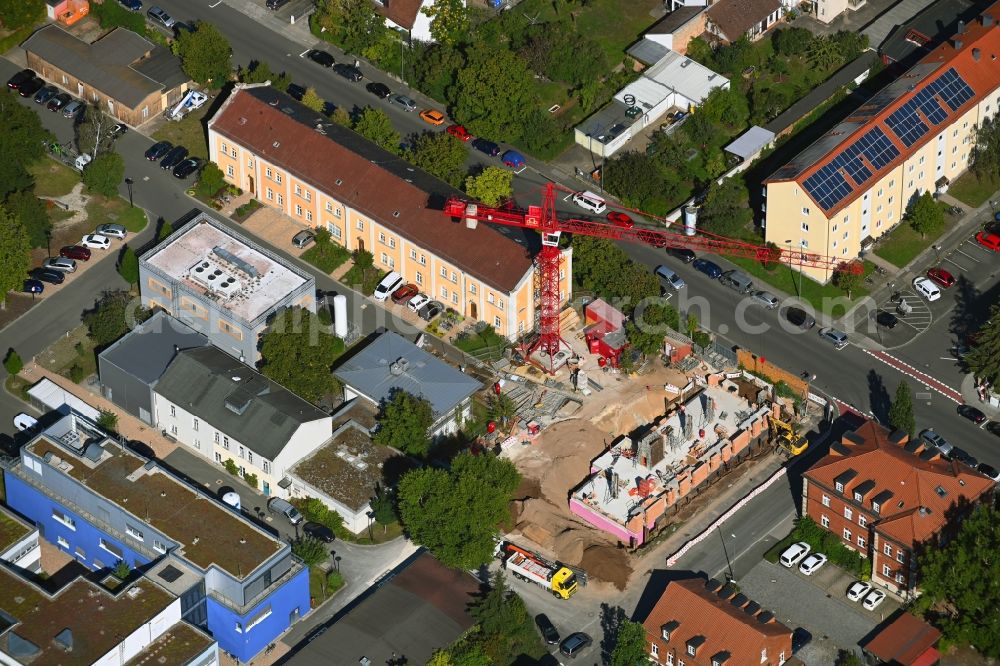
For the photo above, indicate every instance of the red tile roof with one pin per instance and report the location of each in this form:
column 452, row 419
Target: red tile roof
column 401, row 12
column 724, row 627
column 982, row 75
column 905, row 640
column 735, row 17
column 916, row 493
column 283, row 132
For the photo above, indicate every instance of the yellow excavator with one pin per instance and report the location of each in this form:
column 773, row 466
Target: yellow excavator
column 786, row 437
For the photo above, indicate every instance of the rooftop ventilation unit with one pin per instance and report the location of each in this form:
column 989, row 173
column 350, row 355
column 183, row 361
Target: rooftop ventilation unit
column 399, row 366
column 987, row 20
column 211, row 275
column 228, row 256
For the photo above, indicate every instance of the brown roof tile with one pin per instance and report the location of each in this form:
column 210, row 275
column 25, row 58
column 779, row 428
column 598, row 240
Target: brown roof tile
column 923, row 491
column 283, row 132
column 903, row 641
column 735, row 17
column 401, row 12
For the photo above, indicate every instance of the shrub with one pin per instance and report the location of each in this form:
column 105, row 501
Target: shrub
column 251, row 480
column 76, row 373
column 13, row 363
column 231, row 467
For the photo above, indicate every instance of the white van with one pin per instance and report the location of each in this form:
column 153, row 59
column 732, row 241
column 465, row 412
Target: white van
column 389, row 284
column 794, row 554
column 278, row 505
column 590, row 201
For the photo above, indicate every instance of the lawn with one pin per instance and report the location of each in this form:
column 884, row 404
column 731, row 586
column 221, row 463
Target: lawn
column 826, row 298
column 903, row 244
column 326, row 256
column 367, row 280
column 53, row 179
column 73, row 350
column 101, row 210
column 188, row 132
column 334, row 581
column 379, row 533
column 972, row 191
column 487, row 341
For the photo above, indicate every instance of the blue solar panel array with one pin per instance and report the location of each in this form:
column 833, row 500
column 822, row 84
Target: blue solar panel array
column 952, row 88
column 906, row 124
column 828, row 185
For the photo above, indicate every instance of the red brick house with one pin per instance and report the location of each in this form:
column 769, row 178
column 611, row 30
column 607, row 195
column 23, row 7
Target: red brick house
column 705, row 623
column 885, row 496
column 906, row 641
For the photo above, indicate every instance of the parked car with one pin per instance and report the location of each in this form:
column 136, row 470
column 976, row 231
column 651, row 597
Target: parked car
column 60, row 264
column 318, row 531
column 430, row 310
column 30, row 87
column 972, row 413
column 321, row 57
column 513, row 159
column 158, row 150
column 174, row 157
column 459, row 132
column 858, row 590
column 549, row 632
column 389, row 284
column 486, row 146
column 620, row 220
column 418, row 301
column 157, row 15
column 96, row 241
column 799, row 317
column 131, row 5
column 73, row 109
column 794, row 554
column 685, row 255
column 33, row 286
column 404, row 101
column 766, row 298
column 45, row 94
column 58, row 102
column 49, row 275
column 886, row 318
column 941, row 276
column 989, row 240
column 349, row 72
column 182, row 26
column 432, row 116
column 834, row 336
column 404, row 293
column 874, row 598
column 926, row 288
column 936, row 441
column 303, row 238
column 295, row 91
column 378, row 89
column 575, row 644
column 964, row 457
column 187, row 167
column 668, row 278
column 23, row 76
column 118, row 130
column 812, row 563
column 276, row 4
column 25, row 422
column 284, row 507
column 77, row 252
column 989, row 471
column 112, row 230
column 709, row 268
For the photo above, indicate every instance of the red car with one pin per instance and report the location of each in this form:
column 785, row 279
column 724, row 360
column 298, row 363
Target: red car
column 941, row 276
column 459, row 132
column 75, row 252
column 404, row 293
column 620, row 220
column 989, row 240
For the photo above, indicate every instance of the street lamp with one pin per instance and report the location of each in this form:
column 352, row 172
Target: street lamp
column 128, row 183
column 802, row 259
column 336, row 562
column 724, row 550
column 48, row 241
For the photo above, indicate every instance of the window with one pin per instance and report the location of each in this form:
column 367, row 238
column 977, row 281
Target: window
column 242, row 452
column 861, row 542
column 281, row 200
column 173, row 430
column 444, row 292
column 309, row 196
column 654, row 650
column 423, row 260
column 334, row 230
column 298, row 210
column 159, row 546
column 298, row 190
column 910, row 169
column 891, row 199
column 454, row 277
column 826, row 500
column 381, row 237
column 763, row 655
column 825, row 521
column 489, row 297
column 848, row 513
column 68, row 521
column 839, row 486
column 230, row 171
column 887, row 549
column 419, row 278
column 218, row 457
column 921, row 159
column 329, row 207
column 111, row 548
column 385, row 258
column 62, row 542
column 413, row 254
column 781, row 657
column 834, row 230
column 266, row 466
column 805, row 227
column 900, row 557
column 847, row 534
column 361, row 225
column 233, row 152
column 454, row 297
column 216, row 436
column 805, row 210
column 392, row 242
column 133, row 532
column 880, row 191
column 500, row 303
column 670, row 659
column 173, row 410
column 920, row 175
column 270, row 194
column 225, row 443
column 277, row 178
column 250, row 457
column 270, row 174
column 879, row 209
column 194, row 425
column 225, row 148
column 472, row 287
column 259, row 617
column 496, row 322
column 444, row 272
column 309, row 216
column 862, row 521
column 805, row 243
column 886, row 571
column 337, row 213
column 250, row 162
column 690, row 650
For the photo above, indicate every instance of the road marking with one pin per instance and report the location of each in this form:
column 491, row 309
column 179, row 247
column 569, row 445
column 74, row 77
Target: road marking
column 966, row 255
column 946, row 358
column 303, row 54
column 219, row 2
column 921, row 377
column 960, row 266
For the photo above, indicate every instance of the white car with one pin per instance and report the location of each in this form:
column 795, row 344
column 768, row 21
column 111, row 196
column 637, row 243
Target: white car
column 96, row 241
column 389, row 284
column 24, row 422
column 812, row 563
column 858, row 590
column 418, row 301
column 874, row 598
column 794, row 554
column 926, row 288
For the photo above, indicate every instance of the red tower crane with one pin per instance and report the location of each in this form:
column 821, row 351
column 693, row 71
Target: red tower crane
column 550, row 226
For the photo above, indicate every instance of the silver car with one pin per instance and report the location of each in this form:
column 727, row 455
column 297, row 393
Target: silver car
column 835, row 337
column 72, row 109
column 157, row 15
column 936, row 441
column 303, row 239
column 404, row 101
column 766, row 298
column 112, row 230
column 63, row 264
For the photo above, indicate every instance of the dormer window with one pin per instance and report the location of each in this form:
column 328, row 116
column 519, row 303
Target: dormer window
column 857, row 497
column 693, row 644
column 839, row 487
column 875, row 507
column 668, row 628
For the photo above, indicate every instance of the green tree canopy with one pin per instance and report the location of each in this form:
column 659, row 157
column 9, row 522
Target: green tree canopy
column 104, row 174
column 846, row 279
column 726, row 106
column 256, row 71
column 383, row 508
column 491, row 186
column 312, row 100
column 449, row 21
column 985, row 159
column 630, row 645
column 901, row 410
column 925, row 216
column 603, row 268
column 984, row 359
column 22, row 140
column 436, row 69
column 205, row 54
column 114, row 314
column 15, row 255
column 310, row 550
column 108, row 420
column 403, row 422
column 637, row 179
column 17, row 14
column 440, row 154
column 163, row 229
column 374, row 125
column 93, row 132
column 725, row 211
column 128, row 266
column 31, row 212
column 298, row 352
column 12, row 362
column 455, row 513
column 494, row 93
column 792, row 41
column 648, row 325
column 352, row 24
column 211, row 179
column 316, row 511
column 113, row 14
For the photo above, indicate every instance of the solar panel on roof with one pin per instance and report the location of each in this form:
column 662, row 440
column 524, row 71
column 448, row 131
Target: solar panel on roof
column 828, row 185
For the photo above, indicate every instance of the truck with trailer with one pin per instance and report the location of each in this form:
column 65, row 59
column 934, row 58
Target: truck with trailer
column 525, row 565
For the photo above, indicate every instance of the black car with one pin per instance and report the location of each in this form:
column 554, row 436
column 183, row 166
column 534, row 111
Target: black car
column 295, row 91
column 349, row 72
column 321, row 57
column 886, row 318
column 575, row 644
column 174, row 157
column 971, row 413
column 486, row 146
column 58, row 102
column 317, row 531
column 963, row 456
column 993, row 427
column 276, row 4
column 182, row 26
column 685, row 255
column 187, row 167
column 430, row 310
column 30, row 87
column 45, row 94
column 989, row 471
column 380, row 90
column 49, row 275
column 158, row 150
column 21, row 77
column 799, row 317
column 548, row 630
column 328, row 109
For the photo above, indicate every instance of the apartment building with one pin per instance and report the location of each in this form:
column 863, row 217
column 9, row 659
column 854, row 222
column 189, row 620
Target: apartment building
column 100, row 504
column 325, row 176
column 888, row 496
column 854, row 183
column 222, row 284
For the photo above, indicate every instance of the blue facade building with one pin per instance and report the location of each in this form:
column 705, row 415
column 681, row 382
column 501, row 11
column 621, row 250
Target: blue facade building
column 102, row 504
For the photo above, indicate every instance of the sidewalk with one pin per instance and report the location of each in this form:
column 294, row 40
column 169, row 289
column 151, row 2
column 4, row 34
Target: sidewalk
column 970, row 397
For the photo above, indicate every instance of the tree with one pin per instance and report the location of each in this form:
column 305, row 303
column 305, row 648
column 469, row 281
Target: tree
column 108, row 420
column 113, row 14
column 403, row 422
column 984, row 359
column 310, row 550
column 771, row 255
column 312, row 100
column 701, row 51
column 93, row 132
column 12, row 363
column 231, row 467
column 792, row 41
column 700, row 129
column 725, row 211
column 340, row 116
column 15, row 254
column 449, row 21
column 256, row 71
column 440, row 154
column 353, row 24
column 639, row 181
column 848, row 658
column 211, row 180
column 958, row 581
column 128, row 266
column 985, row 158
column 250, row 479
column 22, row 142
column 850, row 44
column 846, row 279
column 924, row 215
column 824, row 52
column 648, row 325
column 17, row 14
column 436, row 69
column 603, row 268
column 104, row 174
column 121, row 570
column 30, row 211
column 494, row 93
column 726, row 106
column 114, row 314
column 630, row 645
column 374, row 125
column 163, row 230
column 316, row 511
column 297, row 352
column 901, row 410
column 440, row 658
column 205, row 54
column 383, row 508
column 501, row 407
column 455, row 513
column 491, row 186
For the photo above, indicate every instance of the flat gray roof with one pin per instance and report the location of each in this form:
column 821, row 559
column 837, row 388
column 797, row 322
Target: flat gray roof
column 750, row 142
column 147, row 350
